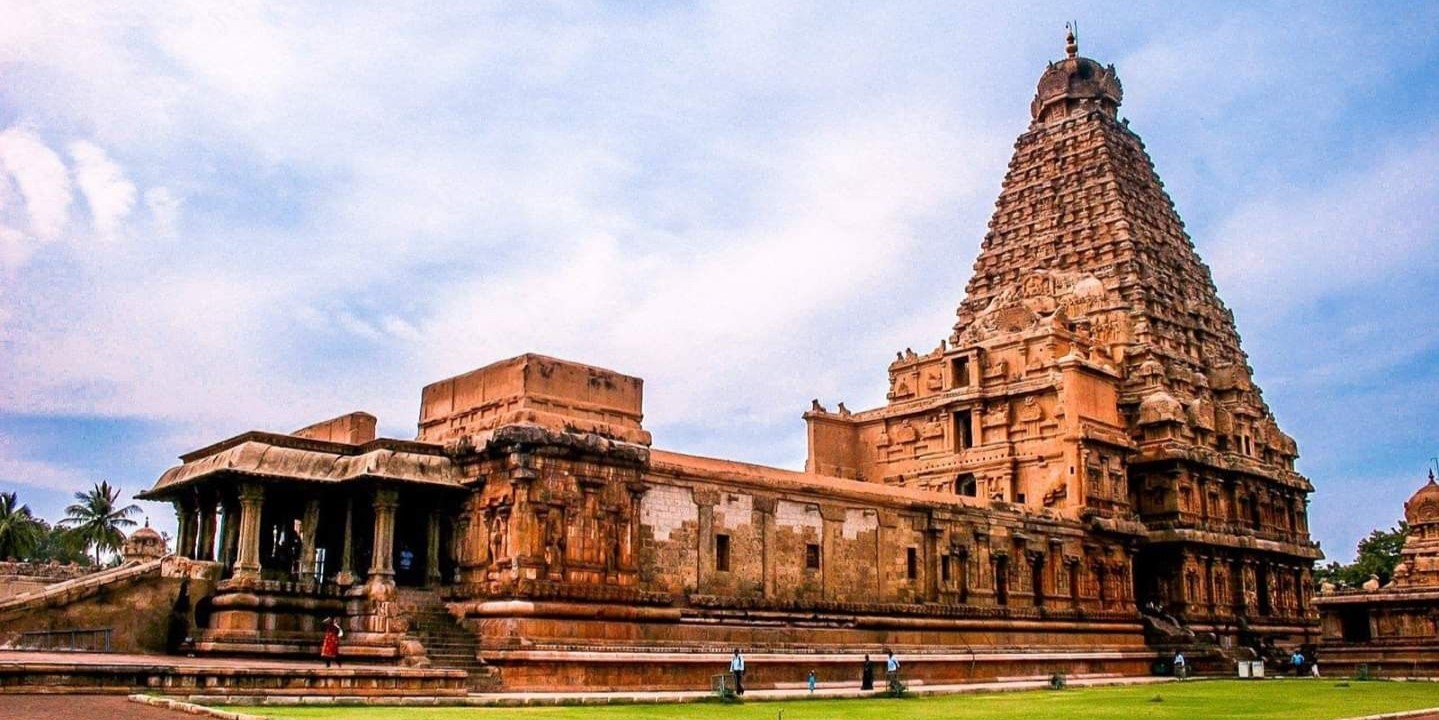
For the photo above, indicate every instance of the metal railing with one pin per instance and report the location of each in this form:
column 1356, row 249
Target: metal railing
column 78, row 640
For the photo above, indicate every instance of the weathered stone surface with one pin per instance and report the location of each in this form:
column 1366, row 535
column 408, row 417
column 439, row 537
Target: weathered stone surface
column 1088, row 438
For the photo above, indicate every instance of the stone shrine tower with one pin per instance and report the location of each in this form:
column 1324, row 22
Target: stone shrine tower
column 1393, row 629
column 1094, row 372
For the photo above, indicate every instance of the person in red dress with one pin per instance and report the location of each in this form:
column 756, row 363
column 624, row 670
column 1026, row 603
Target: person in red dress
column 330, row 648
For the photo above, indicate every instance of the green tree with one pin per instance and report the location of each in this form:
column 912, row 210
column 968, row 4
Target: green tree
column 97, row 520
column 1377, row 554
column 20, row 531
column 61, row 545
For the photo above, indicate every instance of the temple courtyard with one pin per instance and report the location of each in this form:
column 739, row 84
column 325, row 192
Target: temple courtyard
column 1310, row 699
column 1285, row 699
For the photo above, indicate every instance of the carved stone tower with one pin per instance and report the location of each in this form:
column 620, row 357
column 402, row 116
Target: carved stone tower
column 1095, row 373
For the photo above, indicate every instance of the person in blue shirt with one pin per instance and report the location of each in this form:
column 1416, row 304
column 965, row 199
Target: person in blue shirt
column 891, row 669
column 812, row 681
column 736, row 668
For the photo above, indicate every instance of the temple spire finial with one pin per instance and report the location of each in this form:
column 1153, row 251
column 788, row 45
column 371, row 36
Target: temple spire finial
column 1071, row 40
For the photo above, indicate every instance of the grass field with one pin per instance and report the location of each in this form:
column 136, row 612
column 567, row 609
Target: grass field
column 1200, row 700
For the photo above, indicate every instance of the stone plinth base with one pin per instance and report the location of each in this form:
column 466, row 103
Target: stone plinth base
column 355, row 646
column 1397, row 660
column 88, row 673
column 549, row 670
column 544, row 645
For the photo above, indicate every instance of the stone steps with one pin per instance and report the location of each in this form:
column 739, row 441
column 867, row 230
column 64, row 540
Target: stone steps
column 447, row 643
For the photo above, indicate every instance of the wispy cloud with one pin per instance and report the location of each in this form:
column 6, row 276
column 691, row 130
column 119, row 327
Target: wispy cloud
column 17, row 469
column 108, row 193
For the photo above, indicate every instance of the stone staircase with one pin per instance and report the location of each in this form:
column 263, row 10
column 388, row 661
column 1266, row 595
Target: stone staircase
column 448, row 644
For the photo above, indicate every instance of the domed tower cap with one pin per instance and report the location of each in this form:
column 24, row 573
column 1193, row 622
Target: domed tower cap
column 1075, row 84
column 1423, row 506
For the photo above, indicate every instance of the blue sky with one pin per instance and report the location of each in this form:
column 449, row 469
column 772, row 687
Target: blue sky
column 218, row 217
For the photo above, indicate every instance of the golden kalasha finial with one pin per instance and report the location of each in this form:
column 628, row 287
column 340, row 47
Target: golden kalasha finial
column 1071, row 41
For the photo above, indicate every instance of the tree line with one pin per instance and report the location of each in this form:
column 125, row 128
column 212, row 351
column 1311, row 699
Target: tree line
column 93, row 526
column 1377, row 555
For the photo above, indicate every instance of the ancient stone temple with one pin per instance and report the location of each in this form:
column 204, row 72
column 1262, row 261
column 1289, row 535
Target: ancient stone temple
column 1393, row 628
column 1087, row 443
column 1095, row 373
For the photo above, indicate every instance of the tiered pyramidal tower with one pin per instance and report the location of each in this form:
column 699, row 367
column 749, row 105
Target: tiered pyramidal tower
column 1094, row 373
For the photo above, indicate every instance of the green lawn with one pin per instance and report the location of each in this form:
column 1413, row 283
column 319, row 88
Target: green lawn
column 1200, row 700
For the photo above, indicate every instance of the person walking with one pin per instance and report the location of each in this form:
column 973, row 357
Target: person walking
column 736, row 668
column 812, row 682
column 891, row 670
column 1297, row 660
column 1181, row 670
column 330, row 648
column 866, row 676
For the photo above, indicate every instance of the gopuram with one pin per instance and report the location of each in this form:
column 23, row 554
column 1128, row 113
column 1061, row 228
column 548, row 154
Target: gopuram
column 1084, row 454
column 1394, row 627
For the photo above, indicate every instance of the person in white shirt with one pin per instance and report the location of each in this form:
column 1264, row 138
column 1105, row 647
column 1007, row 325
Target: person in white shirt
column 1181, row 670
column 891, row 668
column 736, row 668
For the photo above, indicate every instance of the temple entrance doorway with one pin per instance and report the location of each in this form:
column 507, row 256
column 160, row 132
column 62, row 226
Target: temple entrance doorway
column 411, row 548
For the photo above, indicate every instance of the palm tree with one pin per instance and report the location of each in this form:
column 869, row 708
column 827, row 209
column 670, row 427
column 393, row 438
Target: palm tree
column 97, row 520
column 20, row 531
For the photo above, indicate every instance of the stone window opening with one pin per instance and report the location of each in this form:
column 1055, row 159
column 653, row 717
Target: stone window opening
column 811, row 556
column 911, row 564
column 959, row 372
column 966, row 485
column 944, row 569
column 963, row 430
column 721, row 553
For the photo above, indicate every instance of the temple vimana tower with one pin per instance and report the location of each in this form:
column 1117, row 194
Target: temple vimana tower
column 1081, row 476
column 1094, row 371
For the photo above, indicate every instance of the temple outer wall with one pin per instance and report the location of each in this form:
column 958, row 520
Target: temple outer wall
column 136, row 610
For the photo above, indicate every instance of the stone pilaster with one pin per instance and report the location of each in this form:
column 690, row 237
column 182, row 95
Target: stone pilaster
column 764, row 508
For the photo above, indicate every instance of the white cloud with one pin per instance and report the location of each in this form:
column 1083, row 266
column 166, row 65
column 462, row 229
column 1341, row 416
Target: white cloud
column 41, row 177
column 107, row 191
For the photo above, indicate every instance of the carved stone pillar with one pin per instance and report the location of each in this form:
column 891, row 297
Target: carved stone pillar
column 185, row 532
column 309, row 528
column 229, row 532
column 346, row 575
column 247, row 561
column 432, row 550
column 382, row 563
column 205, row 534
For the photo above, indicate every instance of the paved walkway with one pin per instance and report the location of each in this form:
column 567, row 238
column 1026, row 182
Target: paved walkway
column 80, row 707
